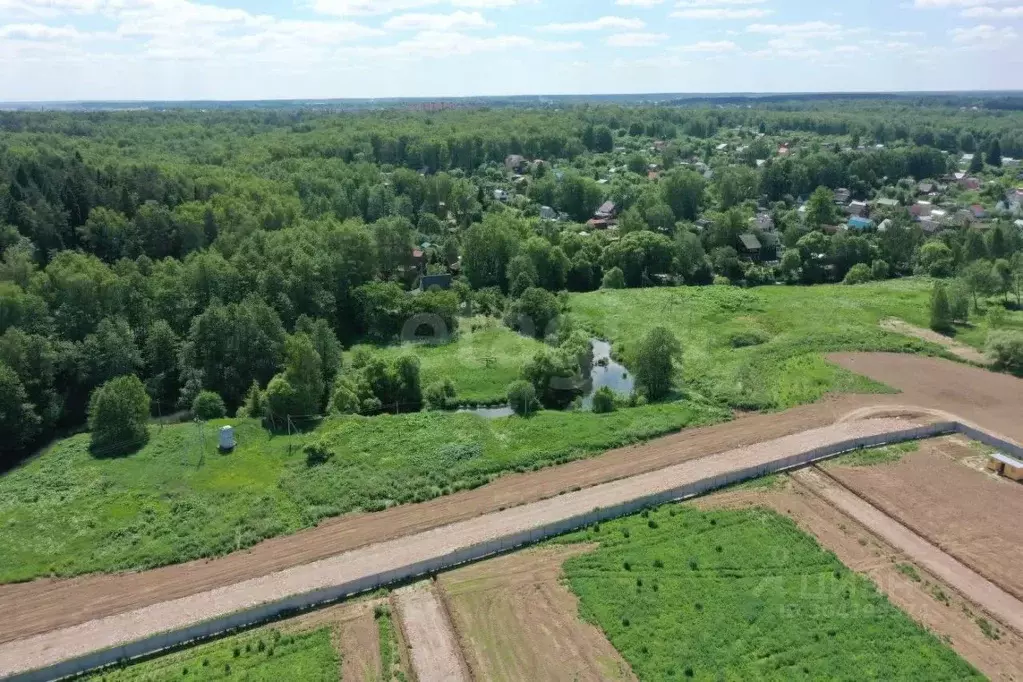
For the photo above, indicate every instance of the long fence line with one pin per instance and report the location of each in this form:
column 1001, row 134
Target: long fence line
column 322, row 597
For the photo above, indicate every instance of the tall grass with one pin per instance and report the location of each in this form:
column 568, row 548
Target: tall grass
column 744, row 595
column 259, row 656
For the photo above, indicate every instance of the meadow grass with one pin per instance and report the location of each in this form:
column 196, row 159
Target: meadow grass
column 798, row 325
column 744, row 595
column 258, row 656
column 888, row 454
column 66, row 512
column 390, row 658
column 481, row 360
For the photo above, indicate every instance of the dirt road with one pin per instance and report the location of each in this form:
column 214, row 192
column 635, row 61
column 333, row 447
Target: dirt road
column 57, row 645
column 990, row 400
column 432, row 644
column 982, row 592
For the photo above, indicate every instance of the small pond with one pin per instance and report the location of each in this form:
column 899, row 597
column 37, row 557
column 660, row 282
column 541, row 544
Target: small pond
column 605, row 372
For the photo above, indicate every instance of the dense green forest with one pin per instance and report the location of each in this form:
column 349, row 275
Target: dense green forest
column 226, row 257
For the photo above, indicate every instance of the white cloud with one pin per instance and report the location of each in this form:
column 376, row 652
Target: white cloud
column 940, row 4
column 717, row 3
column 804, row 31
column 721, row 13
column 439, row 44
column 636, row 39
column 601, row 24
column 984, row 36
column 708, row 46
column 344, row 8
column 993, row 12
column 437, row 22
column 38, row 32
column 639, row 3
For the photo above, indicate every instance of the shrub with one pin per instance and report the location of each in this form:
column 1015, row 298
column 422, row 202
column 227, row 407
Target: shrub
column 316, row 454
column 522, row 397
column 118, row 414
column 941, row 312
column 613, row 279
column 1005, row 348
column 721, row 281
column 208, row 405
column 879, row 270
column 440, row 395
column 604, row 400
column 746, row 338
column 858, row 274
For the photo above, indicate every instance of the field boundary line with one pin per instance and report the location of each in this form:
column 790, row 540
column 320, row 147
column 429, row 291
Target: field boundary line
column 818, row 492
column 51, row 665
column 898, row 517
column 460, row 640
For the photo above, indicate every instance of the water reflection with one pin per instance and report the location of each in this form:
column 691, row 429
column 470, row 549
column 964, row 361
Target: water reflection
column 606, row 372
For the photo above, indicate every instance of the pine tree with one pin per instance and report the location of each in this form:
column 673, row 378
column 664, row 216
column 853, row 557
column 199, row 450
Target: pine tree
column 941, row 312
column 977, row 165
column 994, row 153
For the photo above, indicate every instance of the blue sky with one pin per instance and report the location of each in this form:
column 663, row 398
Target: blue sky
column 259, row 49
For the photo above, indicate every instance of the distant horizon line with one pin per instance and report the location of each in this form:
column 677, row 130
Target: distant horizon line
column 538, row 96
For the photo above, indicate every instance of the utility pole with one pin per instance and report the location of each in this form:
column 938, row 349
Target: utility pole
column 202, row 442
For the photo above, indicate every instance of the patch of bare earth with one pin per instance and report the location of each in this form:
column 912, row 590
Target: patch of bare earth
column 968, row 353
column 432, row 644
column 517, row 621
column 954, row 619
column 354, row 633
column 968, row 514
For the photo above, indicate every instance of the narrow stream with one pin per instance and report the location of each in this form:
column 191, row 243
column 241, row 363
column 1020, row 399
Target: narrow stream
column 605, row 372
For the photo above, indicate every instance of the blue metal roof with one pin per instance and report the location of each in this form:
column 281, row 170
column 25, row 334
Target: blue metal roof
column 860, row 222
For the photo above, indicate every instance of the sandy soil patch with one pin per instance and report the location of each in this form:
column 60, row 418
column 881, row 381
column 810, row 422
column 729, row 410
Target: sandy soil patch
column 968, row 353
column 433, row 646
column 954, row 620
column 517, row 621
column 968, row 514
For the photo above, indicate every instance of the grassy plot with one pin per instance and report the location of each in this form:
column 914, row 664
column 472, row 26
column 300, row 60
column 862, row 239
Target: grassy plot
column 482, row 360
column 390, row 657
column 66, row 513
column 871, row 456
column 763, row 348
column 260, row 656
column 744, row 595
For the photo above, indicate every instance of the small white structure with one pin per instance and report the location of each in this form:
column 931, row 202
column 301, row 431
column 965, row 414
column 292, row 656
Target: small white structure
column 227, row 438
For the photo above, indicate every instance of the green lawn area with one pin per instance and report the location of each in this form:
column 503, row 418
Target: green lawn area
column 795, row 325
column 744, row 595
column 481, row 362
column 66, row 512
column 258, row 656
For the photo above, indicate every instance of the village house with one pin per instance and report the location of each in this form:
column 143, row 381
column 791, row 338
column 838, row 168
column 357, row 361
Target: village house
column 842, row 196
column 516, row 163
column 764, row 222
column 548, row 213
column 859, row 223
column 750, row 246
column 970, row 183
column 500, row 195
column 856, row 208
column 921, row 209
column 607, row 211
column 925, row 187
column 887, row 203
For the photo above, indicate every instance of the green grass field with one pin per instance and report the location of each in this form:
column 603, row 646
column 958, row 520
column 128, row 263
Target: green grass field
column 258, row 656
column 65, row 512
column 744, row 595
column 480, row 362
column 797, row 326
